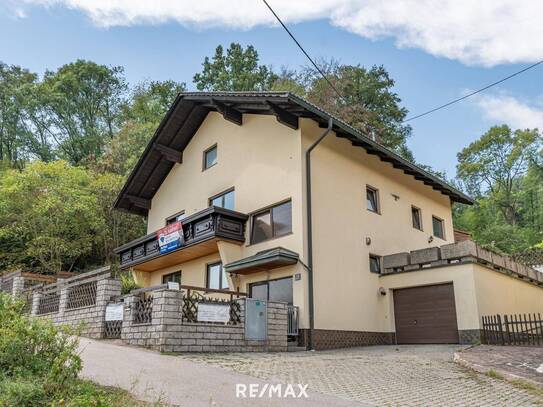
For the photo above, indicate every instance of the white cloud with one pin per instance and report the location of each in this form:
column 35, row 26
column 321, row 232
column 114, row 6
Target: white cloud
column 484, row 32
column 506, row 109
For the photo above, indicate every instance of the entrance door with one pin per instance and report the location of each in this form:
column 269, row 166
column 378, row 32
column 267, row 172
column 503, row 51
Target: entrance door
column 425, row 314
column 272, row 290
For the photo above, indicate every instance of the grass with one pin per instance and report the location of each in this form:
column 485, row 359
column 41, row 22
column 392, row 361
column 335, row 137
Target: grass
column 518, row 383
column 86, row 393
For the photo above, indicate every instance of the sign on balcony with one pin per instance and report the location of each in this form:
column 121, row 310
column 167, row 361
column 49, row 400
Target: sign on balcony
column 170, row 237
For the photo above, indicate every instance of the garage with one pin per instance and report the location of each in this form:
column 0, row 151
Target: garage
column 425, row 314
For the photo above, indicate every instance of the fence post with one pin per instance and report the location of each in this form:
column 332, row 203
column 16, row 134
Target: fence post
column 501, row 329
column 105, row 289
column 36, row 297
column 18, row 285
column 506, row 322
column 167, row 318
column 63, row 301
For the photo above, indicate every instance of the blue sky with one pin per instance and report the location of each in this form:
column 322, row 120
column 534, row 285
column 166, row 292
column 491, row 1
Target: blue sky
column 39, row 38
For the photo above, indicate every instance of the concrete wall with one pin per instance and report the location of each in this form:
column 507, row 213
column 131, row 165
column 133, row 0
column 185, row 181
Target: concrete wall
column 167, row 332
column 498, row 293
column 346, row 293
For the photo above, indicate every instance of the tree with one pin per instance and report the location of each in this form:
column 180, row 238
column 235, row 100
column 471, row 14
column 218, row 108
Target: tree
column 238, row 70
column 16, row 85
column 368, row 103
column 81, row 104
column 49, row 211
column 495, row 165
column 141, row 115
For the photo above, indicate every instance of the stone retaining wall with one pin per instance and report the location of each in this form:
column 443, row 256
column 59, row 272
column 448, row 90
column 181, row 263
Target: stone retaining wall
column 167, row 332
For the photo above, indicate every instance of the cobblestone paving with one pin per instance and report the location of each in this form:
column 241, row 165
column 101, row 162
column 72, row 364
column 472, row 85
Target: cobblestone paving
column 380, row 375
column 521, row 361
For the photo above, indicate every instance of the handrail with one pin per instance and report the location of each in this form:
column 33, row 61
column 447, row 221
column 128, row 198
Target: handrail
column 188, row 287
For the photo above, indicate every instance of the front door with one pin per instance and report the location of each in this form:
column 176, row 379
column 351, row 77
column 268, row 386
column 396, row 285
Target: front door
column 272, row 290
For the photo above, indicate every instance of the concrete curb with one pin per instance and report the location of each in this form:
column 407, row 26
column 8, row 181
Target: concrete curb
column 510, row 377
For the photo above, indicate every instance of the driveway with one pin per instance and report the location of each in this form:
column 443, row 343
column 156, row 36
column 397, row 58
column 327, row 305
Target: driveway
column 382, row 376
column 370, row 376
column 178, row 381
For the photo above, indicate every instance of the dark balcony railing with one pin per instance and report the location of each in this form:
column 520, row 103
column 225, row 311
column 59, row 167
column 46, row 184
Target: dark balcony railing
column 213, row 222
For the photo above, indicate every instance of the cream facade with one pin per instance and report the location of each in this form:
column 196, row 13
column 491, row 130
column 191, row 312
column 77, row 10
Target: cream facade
column 261, row 157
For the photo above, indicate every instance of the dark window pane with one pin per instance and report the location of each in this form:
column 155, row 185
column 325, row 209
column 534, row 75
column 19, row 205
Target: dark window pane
column 438, row 227
column 375, row 264
column 259, row 291
column 172, row 277
column 371, row 196
column 175, row 218
column 217, row 201
column 228, row 201
column 415, row 214
column 214, row 276
column 210, row 158
column 282, row 219
column 281, row 290
column 262, row 229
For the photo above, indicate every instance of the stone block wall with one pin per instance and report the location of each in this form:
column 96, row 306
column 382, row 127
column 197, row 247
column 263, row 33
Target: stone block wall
column 167, row 331
column 90, row 319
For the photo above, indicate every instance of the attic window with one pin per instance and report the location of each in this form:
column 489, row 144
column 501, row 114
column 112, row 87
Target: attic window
column 210, row 157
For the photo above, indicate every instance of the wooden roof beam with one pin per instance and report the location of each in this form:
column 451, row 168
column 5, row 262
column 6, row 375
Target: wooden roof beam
column 228, row 112
column 169, row 153
column 139, row 202
column 283, row 116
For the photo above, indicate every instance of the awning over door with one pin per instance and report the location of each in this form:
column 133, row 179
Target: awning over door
column 264, row 260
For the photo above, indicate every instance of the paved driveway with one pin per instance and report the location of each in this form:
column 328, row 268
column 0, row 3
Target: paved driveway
column 381, row 375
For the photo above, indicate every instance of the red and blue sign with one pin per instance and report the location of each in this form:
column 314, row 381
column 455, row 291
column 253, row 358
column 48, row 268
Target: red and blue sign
column 170, row 237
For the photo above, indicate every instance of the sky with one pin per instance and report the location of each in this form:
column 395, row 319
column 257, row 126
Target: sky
column 435, row 51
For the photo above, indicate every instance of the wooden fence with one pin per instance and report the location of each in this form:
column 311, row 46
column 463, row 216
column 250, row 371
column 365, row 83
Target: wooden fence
column 517, row 330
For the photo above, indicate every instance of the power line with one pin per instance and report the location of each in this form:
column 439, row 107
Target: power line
column 474, row 92
column 303, row 50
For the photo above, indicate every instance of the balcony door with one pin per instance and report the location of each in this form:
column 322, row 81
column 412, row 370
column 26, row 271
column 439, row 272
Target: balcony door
column 272, row 290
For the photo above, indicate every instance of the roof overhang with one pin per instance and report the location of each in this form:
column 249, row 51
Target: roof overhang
column 263, row 261
column 190, row 109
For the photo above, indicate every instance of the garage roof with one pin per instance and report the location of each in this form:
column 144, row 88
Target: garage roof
column 191, row 108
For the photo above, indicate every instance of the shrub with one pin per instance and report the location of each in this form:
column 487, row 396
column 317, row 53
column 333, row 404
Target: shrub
column 38, row 361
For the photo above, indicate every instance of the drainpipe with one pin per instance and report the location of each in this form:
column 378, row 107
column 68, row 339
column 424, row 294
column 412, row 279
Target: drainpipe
column 310, row 231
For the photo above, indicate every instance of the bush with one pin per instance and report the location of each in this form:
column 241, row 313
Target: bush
column 38, row 361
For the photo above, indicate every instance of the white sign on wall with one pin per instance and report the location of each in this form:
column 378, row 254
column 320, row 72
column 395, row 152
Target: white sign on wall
column 114, row 312
column 209, row 312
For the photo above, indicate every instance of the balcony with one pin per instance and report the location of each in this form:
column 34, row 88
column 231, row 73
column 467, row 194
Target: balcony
column 201, row 232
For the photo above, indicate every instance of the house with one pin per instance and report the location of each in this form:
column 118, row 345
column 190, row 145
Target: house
column 357, row 244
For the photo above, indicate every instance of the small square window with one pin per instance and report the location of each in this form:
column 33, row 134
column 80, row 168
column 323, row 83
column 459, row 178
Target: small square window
column 375, row 264
column 210, row 157
column 172, row 278
column 438, row 228
column 372, row 198
column 416, row 218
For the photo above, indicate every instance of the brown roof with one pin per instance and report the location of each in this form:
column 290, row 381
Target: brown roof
column 191, row 108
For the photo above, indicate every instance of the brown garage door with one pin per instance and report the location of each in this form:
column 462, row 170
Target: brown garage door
column 425, row 314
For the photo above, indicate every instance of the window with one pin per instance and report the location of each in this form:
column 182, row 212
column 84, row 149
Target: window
column 172, row 278
column 174, row 218
column 273, row 222
column 216, row 277
column 273, row 290
column 438, row 227
column 416, row 218
column 372, row 198
column 375, row 264
column 225, row 199
column 210, row 157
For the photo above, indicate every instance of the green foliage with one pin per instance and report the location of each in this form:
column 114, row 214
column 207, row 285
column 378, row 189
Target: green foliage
column 81, row 104
column 238, row 70
column 127, row 282
column 37, row 360
column 502, row 170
